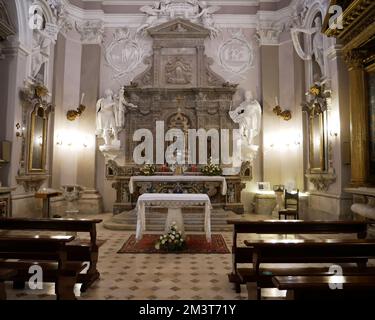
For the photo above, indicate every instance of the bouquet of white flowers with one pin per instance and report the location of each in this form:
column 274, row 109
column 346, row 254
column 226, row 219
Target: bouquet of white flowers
column 212, row 169
column 172, row 241
column 148, row 170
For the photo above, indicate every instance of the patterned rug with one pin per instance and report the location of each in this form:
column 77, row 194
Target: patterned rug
column 195, row 243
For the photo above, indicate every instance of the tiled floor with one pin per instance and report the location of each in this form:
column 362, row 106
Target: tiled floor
column 152, row 276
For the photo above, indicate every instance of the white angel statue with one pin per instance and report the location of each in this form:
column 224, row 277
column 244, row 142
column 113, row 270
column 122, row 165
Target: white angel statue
column 207, row 18
column 106, row 110
column 152, row 15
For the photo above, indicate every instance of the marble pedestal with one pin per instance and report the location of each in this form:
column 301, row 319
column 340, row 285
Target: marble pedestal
column 264, row 203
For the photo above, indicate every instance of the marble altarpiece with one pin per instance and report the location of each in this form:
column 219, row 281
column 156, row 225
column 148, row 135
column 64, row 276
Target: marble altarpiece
column 179, row 88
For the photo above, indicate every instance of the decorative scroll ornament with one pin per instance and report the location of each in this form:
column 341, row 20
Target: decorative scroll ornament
column 317, row 43
column 268, row 33
column 322, row 182
column 236, row 55
column 125, row 53
column 91, row 32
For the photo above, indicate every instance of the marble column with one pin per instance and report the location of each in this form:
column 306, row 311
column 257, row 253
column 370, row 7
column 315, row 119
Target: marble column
column 90, row 79
column 358, row 120
column 91, row 200
column 270, row 90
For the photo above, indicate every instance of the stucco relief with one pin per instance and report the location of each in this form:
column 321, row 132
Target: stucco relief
column 178, row 70
column 125, row 53
column 91, row 31
column 236, row 54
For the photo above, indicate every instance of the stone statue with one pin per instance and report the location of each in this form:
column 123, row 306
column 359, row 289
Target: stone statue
column 207, row 18
column 123, row 104
column 317, row 38
column 106, row 115
column 40, row 51
column 249, row 117
column 152, row 15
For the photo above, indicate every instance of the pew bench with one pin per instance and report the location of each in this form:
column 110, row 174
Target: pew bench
column 241, row 255
column 77, row 250
column 352, row 255
column 5, row 275
column 318, row 287
column 19, row 253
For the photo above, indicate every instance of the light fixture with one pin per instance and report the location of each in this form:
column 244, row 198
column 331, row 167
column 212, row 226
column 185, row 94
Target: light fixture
column 284, row 114
column 20, row 133
column 72, row 115
column 73, row 139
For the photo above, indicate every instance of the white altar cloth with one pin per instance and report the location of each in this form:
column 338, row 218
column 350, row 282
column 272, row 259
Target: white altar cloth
column 174, row 203
column 178, row 179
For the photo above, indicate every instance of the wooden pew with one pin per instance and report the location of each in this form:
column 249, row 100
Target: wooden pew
column 5, row 275
column 77, row 250
column 309, row 252
column 244, row 255
column 49, row 252
column 318, row 287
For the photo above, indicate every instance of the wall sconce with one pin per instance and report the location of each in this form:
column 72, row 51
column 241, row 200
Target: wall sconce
column 285, row 115
column 334, row 124
column 20, row 133
column 334, row 134
column 73, row 139
column 283, row 141
column 72, row 115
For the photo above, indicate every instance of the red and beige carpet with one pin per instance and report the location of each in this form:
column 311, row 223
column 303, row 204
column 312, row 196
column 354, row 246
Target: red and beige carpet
column 195, row 243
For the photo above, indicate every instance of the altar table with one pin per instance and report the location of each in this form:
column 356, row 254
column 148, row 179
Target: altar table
column 174, row 203
column 178, row 179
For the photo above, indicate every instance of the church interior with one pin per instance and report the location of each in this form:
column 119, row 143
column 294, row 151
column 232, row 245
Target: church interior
column 187, row 149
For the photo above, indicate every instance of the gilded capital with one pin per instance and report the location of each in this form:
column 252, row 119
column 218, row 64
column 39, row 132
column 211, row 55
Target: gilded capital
column 354, row 59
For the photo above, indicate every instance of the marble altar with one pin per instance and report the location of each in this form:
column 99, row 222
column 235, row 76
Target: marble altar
column 151, row 181
column 174, row 203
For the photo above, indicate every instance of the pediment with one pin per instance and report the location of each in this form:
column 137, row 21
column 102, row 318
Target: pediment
column 179, row 28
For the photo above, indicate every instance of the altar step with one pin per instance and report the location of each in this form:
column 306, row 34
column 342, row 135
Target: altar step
column 194, row 222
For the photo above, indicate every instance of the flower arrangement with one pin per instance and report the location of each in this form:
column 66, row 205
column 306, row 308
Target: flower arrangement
column 41, row 91
column 318, row 99
column 148, row 170
column 212, row 169
column 315, row 90
column 172, row 241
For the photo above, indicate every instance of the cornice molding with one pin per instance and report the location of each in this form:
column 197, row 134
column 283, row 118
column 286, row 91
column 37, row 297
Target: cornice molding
column 133, row 20
column 356, row 18
column 355, row 59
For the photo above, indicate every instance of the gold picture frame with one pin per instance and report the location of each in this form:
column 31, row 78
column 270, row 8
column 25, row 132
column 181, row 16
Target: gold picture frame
column 37, row 142
column 318, row 143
